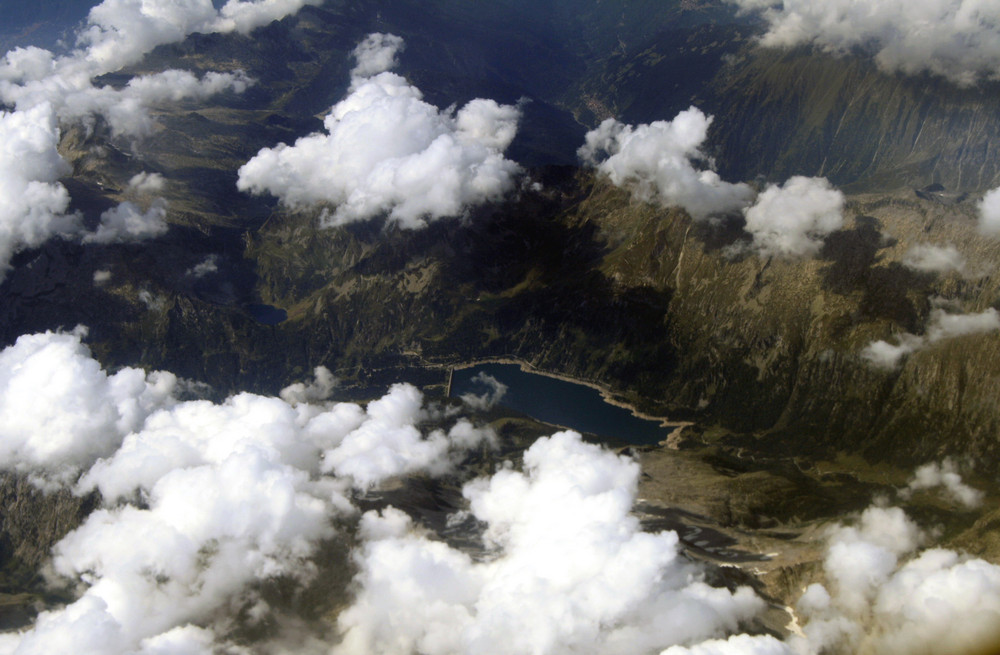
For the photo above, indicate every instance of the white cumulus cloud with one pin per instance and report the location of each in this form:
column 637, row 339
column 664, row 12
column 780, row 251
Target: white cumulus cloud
column 989, row 213
column 46, row 90
column 955, row 39
column 944, row 325
column 389, row 444
column 244, row 16
column 71, row 95
column 386, row 151
column 735, row 645
column 570, row 571
column 127, row 222
column 120, row 32
column 205, row 267
column 33, row 204
column 203, row 534
column 78, row 413
column 928, row 258
column 495, row 391
column 147, row 182
column 663, row 161
column 885, row 355
column 887, row 597
column 793, row 219
column 202, row 501
column 319, row 389
column 944, row 474
column 376, row 54
column 940, row 326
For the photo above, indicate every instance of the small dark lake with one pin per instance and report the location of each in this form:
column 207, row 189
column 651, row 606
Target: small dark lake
column 559, row 402
column 267, row 314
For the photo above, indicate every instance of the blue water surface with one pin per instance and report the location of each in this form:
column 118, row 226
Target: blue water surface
column 561, row 403
column 267, row 314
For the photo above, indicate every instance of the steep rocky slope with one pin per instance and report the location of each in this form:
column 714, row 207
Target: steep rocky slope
column 798, row 112
column 659, row 308
column 576, row 278
column 31, row 523
column 792, row 425
column 775, row 344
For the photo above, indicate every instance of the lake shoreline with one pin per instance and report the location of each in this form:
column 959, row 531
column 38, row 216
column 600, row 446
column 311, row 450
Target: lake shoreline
column 606, row 393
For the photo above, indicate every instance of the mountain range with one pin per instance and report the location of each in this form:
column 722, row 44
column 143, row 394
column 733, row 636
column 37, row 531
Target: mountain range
column 783, row 240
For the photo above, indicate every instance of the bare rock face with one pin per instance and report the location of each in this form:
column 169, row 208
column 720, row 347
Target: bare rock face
column 779, row 113
column 793, row 112
column 576, row 278
column 775, row 346
column 31, row 522
column 676, row 316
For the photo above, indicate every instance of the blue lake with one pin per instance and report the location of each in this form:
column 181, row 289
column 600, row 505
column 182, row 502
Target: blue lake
column 267, row 314
column 559, row 402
